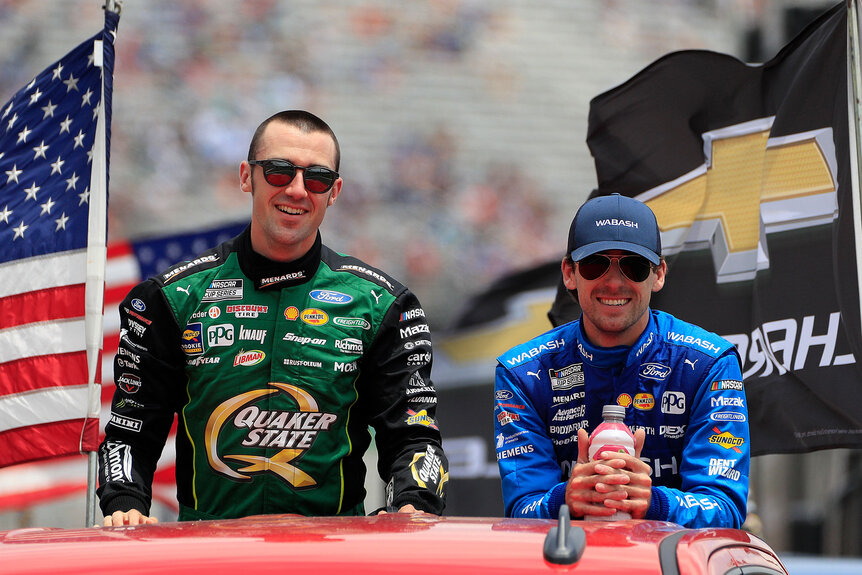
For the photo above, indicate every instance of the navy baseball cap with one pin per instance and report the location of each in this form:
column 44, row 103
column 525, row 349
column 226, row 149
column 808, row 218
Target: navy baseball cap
column 615, row 222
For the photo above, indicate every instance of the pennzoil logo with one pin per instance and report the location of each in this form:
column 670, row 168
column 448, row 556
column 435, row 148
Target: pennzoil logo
column 314, row 316
column 248, row 358
column 726, row 439
column 294, row 431
column 427, row 469
column 644, row 401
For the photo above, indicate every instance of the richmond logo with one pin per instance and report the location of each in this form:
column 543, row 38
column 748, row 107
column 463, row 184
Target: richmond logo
column 294, row 431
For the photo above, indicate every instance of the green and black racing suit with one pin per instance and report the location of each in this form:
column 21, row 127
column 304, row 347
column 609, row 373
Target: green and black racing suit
column 276, row 371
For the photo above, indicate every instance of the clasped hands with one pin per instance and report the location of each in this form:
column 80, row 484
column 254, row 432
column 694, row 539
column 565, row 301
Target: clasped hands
column 614, row 482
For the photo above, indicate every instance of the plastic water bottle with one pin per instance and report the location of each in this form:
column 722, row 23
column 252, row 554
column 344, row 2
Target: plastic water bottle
column 612, row 434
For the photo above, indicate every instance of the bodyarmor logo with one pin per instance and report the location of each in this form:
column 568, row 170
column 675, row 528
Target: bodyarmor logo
column 294, row 431
column 430, row 471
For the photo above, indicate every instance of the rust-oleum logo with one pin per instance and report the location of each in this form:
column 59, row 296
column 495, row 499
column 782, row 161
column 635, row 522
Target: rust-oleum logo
column 293, row 431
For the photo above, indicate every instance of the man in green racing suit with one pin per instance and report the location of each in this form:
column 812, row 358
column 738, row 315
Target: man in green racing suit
column 277, row 354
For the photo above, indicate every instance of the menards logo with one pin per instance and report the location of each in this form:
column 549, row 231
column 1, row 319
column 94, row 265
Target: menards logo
column 726, row 440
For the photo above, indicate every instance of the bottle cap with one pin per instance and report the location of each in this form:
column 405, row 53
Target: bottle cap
column 613, row 411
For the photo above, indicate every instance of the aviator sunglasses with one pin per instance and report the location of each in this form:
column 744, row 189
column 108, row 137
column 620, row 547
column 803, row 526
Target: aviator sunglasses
column 280, row 173
column 635, row 268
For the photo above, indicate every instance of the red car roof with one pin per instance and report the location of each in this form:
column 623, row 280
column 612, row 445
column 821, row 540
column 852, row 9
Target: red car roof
column 396, row 543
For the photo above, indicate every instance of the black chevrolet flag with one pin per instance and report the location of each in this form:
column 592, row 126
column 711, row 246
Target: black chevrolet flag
column 747, row 168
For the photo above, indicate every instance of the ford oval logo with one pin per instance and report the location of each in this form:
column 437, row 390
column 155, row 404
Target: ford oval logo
column 503, row 394
column 329, row 296
column 138, row 304
column 655, row 371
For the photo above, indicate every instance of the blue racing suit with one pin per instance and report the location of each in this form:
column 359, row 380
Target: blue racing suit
column 679, row 383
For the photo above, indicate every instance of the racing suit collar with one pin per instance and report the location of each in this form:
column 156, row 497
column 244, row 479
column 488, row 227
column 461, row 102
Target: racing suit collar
column 269, row 274
column 618, row 356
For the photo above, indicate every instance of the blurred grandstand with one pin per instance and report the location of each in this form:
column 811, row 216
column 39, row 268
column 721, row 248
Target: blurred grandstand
column 462, row 122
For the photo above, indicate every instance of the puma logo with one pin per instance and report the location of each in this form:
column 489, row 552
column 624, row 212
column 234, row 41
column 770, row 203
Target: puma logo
column 691, row 363
column 533, row 373
column 376, row 297
column 185, row 289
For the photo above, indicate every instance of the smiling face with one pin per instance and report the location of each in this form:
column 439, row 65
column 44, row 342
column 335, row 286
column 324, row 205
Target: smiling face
column 285, row 219
column 614, row 307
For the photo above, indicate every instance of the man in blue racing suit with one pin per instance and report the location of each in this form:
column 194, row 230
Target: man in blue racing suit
column 681, row 386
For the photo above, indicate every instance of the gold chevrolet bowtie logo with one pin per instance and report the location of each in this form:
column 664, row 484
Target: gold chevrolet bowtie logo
column 749, row 186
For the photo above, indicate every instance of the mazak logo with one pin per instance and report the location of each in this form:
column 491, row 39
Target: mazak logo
column 329, row 296
column 701, row 210
column 248, row 358
column 266, row 429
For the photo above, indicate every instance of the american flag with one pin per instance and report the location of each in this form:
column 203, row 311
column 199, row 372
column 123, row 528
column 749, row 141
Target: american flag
column 128, row 262
column 48, row 147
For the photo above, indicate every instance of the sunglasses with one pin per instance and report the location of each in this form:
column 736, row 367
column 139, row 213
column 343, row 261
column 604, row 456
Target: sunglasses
column 635, row 268
column 280, row 173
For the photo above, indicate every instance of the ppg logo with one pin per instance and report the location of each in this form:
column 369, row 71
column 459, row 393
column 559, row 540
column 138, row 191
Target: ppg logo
column 220, row 335
column 673, row 402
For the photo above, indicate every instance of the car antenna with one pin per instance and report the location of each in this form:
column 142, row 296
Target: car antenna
column 564, row 544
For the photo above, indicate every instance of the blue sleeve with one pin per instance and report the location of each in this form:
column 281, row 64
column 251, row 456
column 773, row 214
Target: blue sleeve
column 715, row 461
column 529, row 471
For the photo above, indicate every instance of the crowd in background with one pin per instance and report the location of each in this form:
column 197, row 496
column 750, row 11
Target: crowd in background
column 462, row 122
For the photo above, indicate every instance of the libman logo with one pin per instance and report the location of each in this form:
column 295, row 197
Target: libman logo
column 428, row 470
column 245, row 427
column 726, row 440
column 248, row 358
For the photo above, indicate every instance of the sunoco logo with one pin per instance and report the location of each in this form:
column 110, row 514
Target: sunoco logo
column 293, row 431
column 726, row 440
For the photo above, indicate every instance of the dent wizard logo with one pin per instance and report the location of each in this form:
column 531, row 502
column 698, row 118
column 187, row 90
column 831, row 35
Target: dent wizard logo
column 294, row 431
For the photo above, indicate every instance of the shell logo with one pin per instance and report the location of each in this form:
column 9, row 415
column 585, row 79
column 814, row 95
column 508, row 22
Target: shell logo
column 314, row 316
column 291, row 313
column 624, row 399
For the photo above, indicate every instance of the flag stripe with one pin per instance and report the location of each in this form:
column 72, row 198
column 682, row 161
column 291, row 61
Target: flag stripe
column 41, row 406
column 41, row 371
column 46, row 440
column 59, row 269
column 42, row 305
column 42, row 338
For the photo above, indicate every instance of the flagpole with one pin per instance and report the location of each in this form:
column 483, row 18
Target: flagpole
column 97, row 255
column 854, row 88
